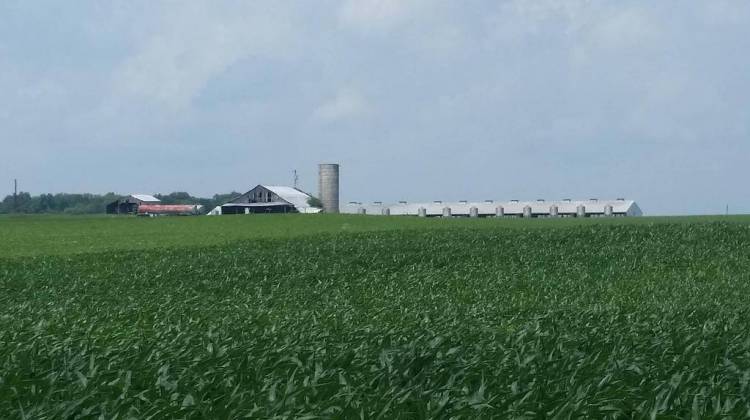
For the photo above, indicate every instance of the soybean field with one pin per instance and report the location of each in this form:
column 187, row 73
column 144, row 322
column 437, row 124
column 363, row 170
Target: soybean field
column 366, row 317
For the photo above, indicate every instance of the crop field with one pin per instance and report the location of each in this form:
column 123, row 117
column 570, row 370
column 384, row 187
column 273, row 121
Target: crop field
column 372, row 317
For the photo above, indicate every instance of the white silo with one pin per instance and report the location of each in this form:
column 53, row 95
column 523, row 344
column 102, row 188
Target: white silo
column 328, row 186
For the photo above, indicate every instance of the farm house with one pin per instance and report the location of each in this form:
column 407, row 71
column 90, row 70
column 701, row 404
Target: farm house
column 514, row 208
column 268, row 199
column 130, row 204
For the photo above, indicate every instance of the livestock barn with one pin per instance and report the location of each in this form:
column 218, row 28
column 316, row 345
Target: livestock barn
column 490, row 208
column 268, row 199
column 130, row 204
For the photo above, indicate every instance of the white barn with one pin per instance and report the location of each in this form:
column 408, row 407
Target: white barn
column 268, row 199
column 514, row 208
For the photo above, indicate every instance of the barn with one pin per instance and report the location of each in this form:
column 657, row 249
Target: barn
column 268, row 199
column 514, row 208
column 130, row 204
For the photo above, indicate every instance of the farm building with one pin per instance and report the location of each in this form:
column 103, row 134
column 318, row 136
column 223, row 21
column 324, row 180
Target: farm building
column 514, row 208
column 268, row 199
column 129, row 204
column 169, row 209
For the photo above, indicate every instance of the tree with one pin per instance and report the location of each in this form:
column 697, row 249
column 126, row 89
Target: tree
column 315, row 202
column 95, row 203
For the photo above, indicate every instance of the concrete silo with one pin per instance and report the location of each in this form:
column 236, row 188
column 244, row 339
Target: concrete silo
column 328, row 186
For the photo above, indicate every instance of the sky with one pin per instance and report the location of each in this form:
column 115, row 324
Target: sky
column 417, row 100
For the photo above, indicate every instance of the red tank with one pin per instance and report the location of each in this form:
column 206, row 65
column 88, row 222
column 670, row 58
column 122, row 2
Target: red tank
column 175, row 209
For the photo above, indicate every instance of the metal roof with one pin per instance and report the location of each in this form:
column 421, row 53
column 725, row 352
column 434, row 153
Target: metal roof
column 145, row 197
column 462, row 208
column 291, row 195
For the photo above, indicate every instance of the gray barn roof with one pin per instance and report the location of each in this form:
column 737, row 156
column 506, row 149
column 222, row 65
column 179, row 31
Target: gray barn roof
column 146, row 198
column 291, row 195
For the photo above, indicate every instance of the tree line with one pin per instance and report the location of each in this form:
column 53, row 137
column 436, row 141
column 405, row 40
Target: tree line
column 95, row 203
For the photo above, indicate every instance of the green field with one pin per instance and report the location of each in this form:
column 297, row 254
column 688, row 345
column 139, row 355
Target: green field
column 374, row 317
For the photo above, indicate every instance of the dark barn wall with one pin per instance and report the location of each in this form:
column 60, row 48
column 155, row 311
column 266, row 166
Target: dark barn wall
column 122, row 207
column 257, row 195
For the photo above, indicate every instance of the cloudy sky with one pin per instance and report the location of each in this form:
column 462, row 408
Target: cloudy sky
column 417, row 99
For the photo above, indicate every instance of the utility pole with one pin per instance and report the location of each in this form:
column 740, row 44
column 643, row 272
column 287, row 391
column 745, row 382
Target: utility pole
column 727, row 212
column 296, row 178
column 15, row 195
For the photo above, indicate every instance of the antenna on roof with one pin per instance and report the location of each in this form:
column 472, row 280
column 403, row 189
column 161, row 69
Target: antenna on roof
column 296, row 178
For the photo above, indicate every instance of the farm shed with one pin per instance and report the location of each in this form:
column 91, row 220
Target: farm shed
column 268, row 199
column 129, row 204
column 514, row 208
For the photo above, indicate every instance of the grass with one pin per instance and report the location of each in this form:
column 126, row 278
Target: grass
column 373, row 317
column 24, row 235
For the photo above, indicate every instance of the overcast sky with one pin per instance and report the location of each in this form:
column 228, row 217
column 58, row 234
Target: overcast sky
column 417, row 100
